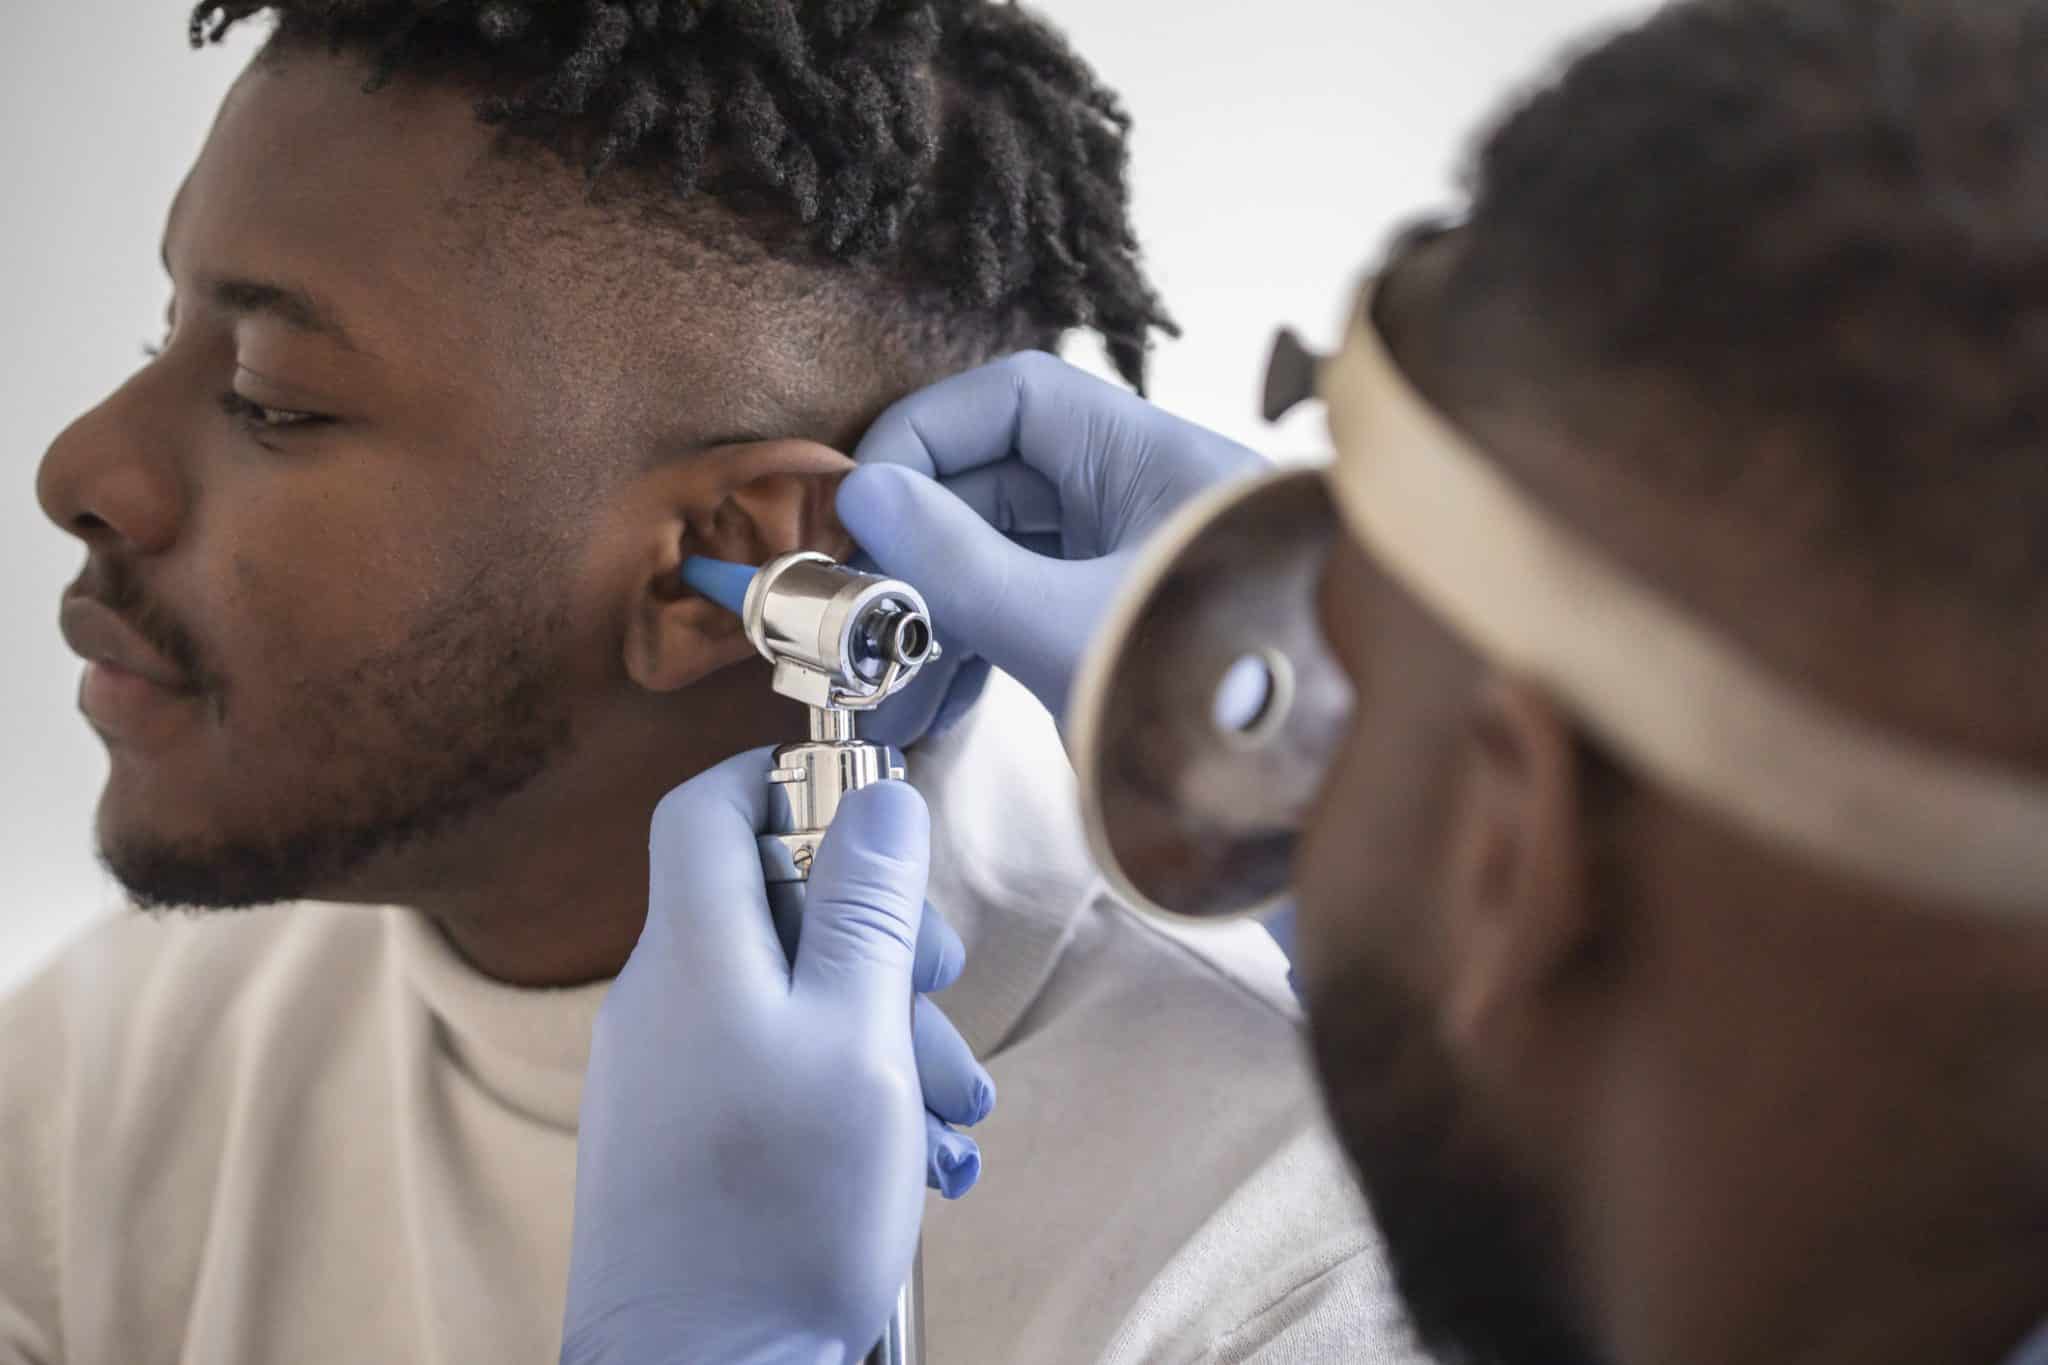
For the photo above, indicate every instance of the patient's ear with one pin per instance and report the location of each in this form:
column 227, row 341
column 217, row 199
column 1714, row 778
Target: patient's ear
column 744, row 503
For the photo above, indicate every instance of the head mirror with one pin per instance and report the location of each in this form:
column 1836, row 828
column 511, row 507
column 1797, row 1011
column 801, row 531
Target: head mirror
column 1208, row 707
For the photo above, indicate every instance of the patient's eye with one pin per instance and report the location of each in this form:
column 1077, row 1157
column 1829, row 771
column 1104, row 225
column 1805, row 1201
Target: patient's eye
column 257, row 417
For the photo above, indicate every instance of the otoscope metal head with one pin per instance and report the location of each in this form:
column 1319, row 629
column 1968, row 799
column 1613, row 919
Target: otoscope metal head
column 838, row 638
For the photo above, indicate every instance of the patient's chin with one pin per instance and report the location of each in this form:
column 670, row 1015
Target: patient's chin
column 347, row 848
column 350, row 805
column 160, row 875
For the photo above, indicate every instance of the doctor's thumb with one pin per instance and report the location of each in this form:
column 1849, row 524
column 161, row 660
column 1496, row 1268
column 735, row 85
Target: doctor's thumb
column 866, row 897
column 920, row 532
column 1020, row 611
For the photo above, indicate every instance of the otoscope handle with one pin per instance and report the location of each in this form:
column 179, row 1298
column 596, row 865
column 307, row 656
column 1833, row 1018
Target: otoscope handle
column 805, row 789
column 840, row 641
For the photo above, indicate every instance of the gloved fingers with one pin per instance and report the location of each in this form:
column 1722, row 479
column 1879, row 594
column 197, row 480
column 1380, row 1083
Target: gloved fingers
column 908, row 716
column 707, row 906
column 952, row 1161
column 918, row 530
column 934, row 701
column 1032, row 404
column 960, row 697
column 1010, row 496
column 865, row 898
column 1054, row 417
column 941, row 956
column 1002, row 602
column 956, row 1087
column 963, row 421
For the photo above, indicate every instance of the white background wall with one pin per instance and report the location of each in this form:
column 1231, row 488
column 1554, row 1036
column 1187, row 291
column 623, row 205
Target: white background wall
column 1277, row 143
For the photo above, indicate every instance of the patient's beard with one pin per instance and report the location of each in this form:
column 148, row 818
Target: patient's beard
column 1475, row 1251
column 381, row 757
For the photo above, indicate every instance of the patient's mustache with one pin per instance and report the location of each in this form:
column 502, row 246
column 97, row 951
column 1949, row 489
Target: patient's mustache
column 115, row 584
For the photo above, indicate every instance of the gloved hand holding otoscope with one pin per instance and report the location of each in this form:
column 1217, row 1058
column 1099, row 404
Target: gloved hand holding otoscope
column 802, row 1008
column 830, row 845
column 841, row 642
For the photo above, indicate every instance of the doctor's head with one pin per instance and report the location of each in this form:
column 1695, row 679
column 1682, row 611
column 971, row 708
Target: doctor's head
column 482, row 316
column 1754, row 301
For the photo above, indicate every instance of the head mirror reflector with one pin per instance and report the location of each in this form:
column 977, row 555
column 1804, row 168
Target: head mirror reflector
column 1208, row 707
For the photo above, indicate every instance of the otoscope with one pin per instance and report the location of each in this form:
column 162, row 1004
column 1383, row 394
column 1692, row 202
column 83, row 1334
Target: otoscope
column 841, row 642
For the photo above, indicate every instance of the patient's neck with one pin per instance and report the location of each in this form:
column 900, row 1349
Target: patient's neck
column 552, row 891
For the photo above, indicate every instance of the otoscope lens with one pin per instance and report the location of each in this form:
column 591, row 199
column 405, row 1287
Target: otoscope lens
column 913, row 639
column 889, row 632
column 871, row 641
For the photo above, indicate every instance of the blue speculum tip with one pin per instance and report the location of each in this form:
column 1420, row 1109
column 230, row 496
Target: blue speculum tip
column 723, row 583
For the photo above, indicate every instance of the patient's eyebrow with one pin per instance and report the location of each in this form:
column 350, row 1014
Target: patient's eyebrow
column 295, row 308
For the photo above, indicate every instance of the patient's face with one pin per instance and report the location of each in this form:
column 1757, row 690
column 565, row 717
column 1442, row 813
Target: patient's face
column 1475, row 1246
column 329, row 506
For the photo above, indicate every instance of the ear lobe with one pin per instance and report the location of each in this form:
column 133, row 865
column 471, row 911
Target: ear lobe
column 1516, row 911
column 746, row 503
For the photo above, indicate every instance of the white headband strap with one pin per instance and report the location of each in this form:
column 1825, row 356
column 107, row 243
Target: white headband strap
column 1685, row 707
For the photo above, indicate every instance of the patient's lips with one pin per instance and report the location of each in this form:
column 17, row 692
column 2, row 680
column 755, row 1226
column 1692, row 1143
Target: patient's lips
column 130, row 693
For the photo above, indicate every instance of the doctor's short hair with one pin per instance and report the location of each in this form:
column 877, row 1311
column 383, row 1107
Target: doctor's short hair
column 1787, row 259
column 957, row 148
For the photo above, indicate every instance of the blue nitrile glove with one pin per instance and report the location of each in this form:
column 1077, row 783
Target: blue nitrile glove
column 756, row 1132
column 1048, row 479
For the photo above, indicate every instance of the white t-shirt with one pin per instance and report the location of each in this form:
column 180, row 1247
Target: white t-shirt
column 313, row 1134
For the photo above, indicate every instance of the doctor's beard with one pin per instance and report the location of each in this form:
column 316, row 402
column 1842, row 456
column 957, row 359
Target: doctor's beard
column 1476, row 1250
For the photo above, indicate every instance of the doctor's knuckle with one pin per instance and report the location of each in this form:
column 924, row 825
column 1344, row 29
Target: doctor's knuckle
column 876, row 1080
column 898, row 887
column 1032, row 362
column 878, row 920
column 1029, row 369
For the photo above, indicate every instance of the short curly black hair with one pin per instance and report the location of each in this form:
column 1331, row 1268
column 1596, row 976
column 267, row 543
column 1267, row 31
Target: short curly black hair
column 1821, row 227
column 959, row 143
